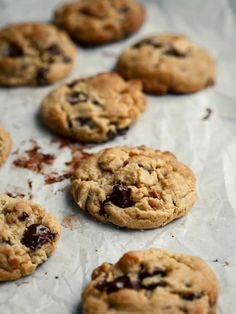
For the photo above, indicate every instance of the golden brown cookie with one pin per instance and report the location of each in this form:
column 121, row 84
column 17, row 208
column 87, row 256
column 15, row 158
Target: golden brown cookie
column 100, row 21
column 168, row 64
column 134, row 187
column 153, row 281
column 34, row 54
column 28, row 236
column 5, row 145
column 94, row 109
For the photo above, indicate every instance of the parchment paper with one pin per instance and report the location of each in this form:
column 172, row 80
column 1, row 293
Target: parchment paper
column 174, row 123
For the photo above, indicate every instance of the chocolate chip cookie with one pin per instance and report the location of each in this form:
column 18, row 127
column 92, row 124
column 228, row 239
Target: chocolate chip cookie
column 5, row 145
column 134, row 187
column 28, row 236
column 34, row 54
column 153, row 281
column 100, row 21
column 168, row 63
column 94, row 109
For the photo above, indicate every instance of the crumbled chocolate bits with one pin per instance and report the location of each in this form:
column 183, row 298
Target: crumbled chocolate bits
column 37, row 235
column 191, row 296
column 122, row 282
column 54, row 49
column 41, row 74
column 23, row 216
column 172, row 52
column 77, row 97
column 82, row 121
column 12, row 51
column 120, row 196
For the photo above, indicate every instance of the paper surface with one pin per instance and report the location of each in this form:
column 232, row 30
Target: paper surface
column 172, row 123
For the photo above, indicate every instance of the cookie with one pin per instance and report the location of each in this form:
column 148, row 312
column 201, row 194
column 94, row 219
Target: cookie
column 168, row 64
column 134, row 187
column 28, row 236
column 34, row 54
column 94, row 109
column 153, row 281
column 100, row 21
column 5, row 145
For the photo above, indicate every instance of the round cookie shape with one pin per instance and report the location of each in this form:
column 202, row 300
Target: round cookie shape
column 28, row 236
column 168, row 64
column 153, row 281
column 134, row 187
column 5, row 145
column 34, row 54
column 100, row 21
column 94, row 109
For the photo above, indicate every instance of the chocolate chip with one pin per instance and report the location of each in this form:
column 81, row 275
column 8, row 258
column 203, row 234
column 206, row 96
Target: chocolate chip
column 72, row 84
column 36, row 235
column 122, row 282
column 102, row 211
column 174, row 53
column 12, row 51
column 41, row 75
column 156, row 271
column 147, row 279
column 122, row 131
column 96, row 103
column 111, row 134
column 191, row 296
column 76, row 97
column 66, row 59
column 120, row 196
column 148, row 42
column 81, row 121
column 54, row 49
column 23, row 216
column 124, row 10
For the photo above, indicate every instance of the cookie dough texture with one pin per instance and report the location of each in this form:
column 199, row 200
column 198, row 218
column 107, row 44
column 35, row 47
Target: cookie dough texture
column 100, row 21
column 134, row 187
column 5, row 145
column 168, row 63
column 34, row 54
column 153, row 281
column 94, row 109
column 28, row 236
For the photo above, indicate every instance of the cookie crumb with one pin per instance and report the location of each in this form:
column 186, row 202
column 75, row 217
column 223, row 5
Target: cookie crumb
column 70, row 221
column 226, row 263
column 56, row 277
column 215, row 260
column 209, row 112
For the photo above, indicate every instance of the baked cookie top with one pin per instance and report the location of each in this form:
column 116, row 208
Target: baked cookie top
column 94, row 109
column 5, row 145
column 168, row 63
column 28, row 236
column 34, row 54
column 153, row 281
column 134, row 187
column 100, row 21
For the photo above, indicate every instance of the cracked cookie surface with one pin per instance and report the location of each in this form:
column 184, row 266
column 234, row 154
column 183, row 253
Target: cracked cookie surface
column 94, row 109
column 134, row 187
column 168, row 63
column 100, row 21
column 5, row 145
column 34, row 54
column 28, row 236
column 153, row 281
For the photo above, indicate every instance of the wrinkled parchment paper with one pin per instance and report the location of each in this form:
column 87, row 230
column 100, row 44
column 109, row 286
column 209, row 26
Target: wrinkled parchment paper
column 182, row 124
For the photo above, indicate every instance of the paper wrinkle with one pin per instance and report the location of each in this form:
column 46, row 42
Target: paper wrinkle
column 172, row 123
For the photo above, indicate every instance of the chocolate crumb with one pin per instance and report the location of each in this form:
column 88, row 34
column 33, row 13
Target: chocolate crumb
column 209, row 112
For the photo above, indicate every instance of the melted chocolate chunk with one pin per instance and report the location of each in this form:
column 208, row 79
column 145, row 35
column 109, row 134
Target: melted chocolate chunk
column 122, row 131
column 37, row 235
column 122, row 282
column 111, row 134
column 76, row 97
column 148, row 42
column 120, row 196
column 23, row 216
column 174, row 53
column 191, row 296
column 66, row 59
column 102, row 211
column 12, row 51
column 54, row 49
column 124, row 10
column 41, row 75
column 156, row 271
column 81, row 121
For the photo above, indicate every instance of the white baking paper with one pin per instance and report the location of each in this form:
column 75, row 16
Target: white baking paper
column 172, row 123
